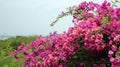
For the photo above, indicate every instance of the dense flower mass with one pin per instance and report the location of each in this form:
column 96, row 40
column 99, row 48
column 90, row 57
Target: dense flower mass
column 93, row 41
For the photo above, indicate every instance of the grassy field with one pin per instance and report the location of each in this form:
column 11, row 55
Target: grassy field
column 9, row 45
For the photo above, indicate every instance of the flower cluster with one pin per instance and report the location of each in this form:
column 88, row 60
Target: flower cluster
column 94, row 40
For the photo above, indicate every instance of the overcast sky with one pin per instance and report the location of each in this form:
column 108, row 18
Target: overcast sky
column 33, row 17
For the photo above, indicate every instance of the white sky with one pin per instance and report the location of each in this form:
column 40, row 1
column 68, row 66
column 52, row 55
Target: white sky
column 33, row 17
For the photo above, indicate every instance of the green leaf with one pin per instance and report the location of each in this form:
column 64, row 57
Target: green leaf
column 5, row 65
column 105, row 20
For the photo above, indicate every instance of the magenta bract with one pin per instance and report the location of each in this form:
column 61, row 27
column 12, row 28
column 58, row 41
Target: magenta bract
column 96, row 30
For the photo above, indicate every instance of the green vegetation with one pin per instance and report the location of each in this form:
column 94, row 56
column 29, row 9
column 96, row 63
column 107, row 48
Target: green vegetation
column 9, row 45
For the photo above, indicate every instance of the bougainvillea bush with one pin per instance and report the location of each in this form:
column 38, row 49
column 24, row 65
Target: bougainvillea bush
column 93, row 41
